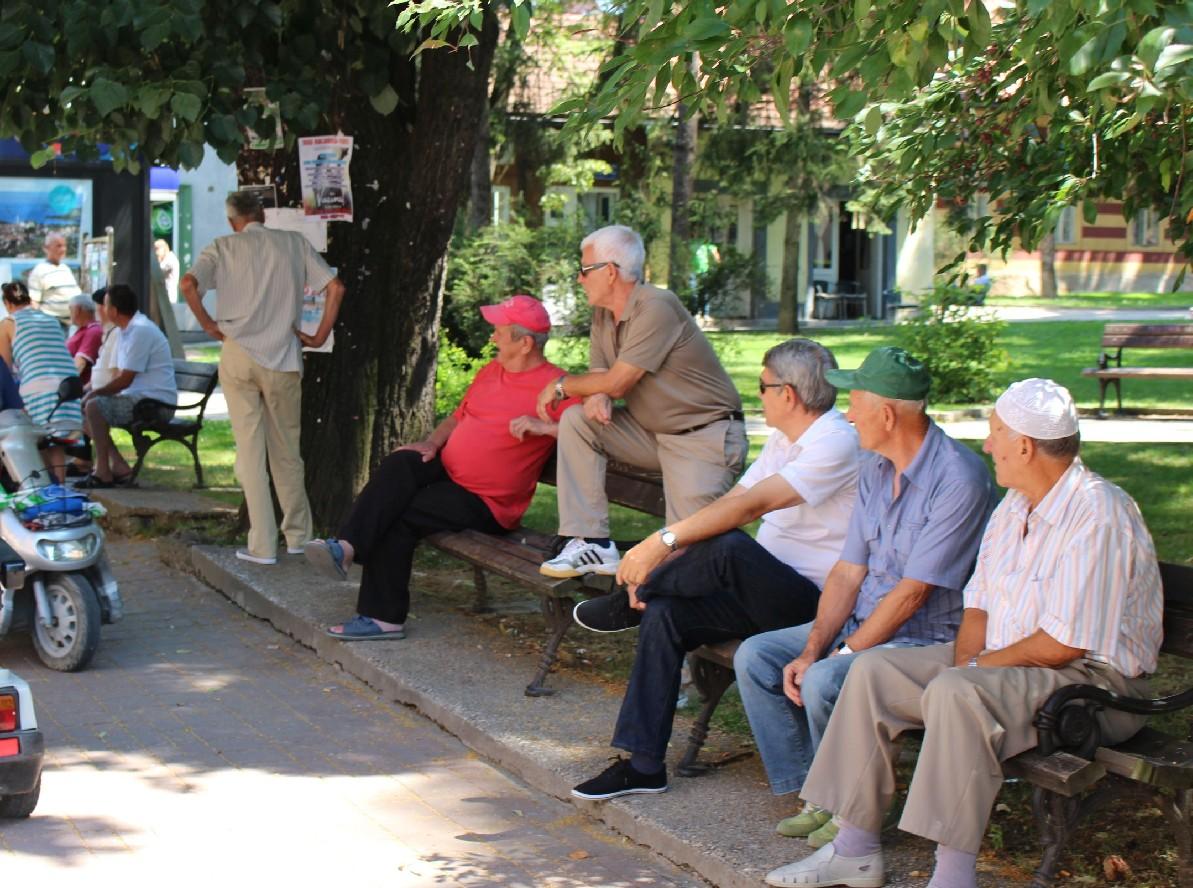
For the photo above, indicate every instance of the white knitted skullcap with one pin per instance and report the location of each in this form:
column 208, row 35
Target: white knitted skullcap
column 1038, row 408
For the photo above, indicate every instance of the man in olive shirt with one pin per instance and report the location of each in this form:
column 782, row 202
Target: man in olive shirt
column 680, row 413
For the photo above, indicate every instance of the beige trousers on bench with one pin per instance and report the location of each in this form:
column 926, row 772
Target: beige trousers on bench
column 973, row 719
column 697, row 467
column 265, row 407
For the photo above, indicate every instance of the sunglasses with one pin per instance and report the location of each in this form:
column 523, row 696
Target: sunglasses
column 585, row 269
column 763, row 386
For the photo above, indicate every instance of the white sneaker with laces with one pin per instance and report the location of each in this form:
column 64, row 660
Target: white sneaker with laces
column 826, row 867
column 579, row 557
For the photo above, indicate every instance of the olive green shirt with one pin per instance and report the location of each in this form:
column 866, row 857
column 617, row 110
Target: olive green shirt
column 685, row 385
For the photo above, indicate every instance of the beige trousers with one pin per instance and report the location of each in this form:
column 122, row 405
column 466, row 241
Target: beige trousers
column 697, row 467
column 973, row 719
column 265, row 407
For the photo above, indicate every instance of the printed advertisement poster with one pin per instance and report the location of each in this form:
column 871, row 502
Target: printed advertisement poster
column 326, row 187
column 312, row 314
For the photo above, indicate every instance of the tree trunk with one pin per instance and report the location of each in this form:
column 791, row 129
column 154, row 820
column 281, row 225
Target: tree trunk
column 409, row 174
column 1048, row 266
column 480, row 197
column 789, row 284
column 683, row 184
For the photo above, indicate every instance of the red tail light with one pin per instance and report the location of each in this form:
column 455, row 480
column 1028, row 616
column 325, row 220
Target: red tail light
column 11, row 746
column 8, row 712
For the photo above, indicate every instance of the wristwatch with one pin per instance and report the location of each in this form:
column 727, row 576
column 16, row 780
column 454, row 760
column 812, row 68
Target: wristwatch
column 972, row 664
column 844, row 648
column 668, row 537
column 560, row 394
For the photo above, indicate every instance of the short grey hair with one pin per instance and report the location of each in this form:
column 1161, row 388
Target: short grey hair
column 622, row 245
column 83, row 301
column 1059, row 448
column 54, row 236
column 519, row 333
column 244, row 205
column 801, row 364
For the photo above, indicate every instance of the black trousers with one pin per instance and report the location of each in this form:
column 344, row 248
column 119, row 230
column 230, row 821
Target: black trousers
column 405, row 500
column 723, row 588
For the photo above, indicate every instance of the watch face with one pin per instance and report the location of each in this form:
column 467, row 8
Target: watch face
column 668, row 538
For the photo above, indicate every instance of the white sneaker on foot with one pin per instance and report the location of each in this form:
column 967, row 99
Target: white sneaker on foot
column 246, row 555
column 579, row 557
column 826, row 867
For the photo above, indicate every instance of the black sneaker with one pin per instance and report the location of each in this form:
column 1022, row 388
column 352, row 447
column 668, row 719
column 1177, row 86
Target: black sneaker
column 620, row 779
column 607, row 613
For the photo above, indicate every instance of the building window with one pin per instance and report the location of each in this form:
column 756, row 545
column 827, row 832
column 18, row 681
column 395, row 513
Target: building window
column 1145, row 228
column 501, row 205
column 599, row 206
column 1066, row 226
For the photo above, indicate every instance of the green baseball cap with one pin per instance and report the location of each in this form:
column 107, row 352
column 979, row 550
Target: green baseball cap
column 887, row 371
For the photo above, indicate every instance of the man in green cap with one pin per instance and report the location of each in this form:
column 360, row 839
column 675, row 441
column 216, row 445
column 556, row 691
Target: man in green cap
column 922, row 504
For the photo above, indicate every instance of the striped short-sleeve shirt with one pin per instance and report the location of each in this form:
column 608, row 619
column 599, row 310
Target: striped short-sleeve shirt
column 259, row 274
column 1081, row 566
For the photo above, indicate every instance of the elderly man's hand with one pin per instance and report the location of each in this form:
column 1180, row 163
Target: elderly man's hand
column 212, row 329
column 521, row 426
column 632, row 591
column 599, row 408
column 793, row 678
column 545, row 399
column 425, row 449
column 637, row 563
column 308, row 340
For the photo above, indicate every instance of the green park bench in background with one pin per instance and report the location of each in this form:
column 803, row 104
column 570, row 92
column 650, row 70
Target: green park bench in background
column 1110, row 369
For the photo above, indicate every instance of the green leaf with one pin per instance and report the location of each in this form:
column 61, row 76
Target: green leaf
column 521, row 14
column 186, row 106
column 385, row 101
column 1153, row 43
column 979, row 24
column 155, row 35
column 11, row 36
column 1174, row 54
column 223, row 128
column 1083, row 59
column 39, row 55
column 849, row 103
column 71, row 93
column 430, row 43
column 150, row 100
column 850, row 57
column 873, row 120
column 190, row 154
column 1089, row 211
column 38, row 159
column 706, row 27
column 107, row 95
column 1110, row 78
column 798, row 35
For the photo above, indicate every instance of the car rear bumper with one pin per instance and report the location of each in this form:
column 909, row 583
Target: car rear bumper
column 19, row 773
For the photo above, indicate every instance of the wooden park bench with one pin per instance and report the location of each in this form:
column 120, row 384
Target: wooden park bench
column 1070, row 771
column 516, row 556
column 1110, row 369
column 148, row 429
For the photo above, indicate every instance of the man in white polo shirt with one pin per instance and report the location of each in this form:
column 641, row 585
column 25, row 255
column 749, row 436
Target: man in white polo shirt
column 722, row 584
column 1066, row 591
column 144, row 371
column 52, row 283
column 259, row 275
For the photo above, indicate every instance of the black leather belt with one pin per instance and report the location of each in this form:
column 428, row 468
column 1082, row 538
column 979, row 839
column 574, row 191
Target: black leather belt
column 736, row 414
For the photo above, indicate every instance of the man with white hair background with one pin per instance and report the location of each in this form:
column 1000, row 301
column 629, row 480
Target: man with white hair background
column 52, row 283
column 1066, row 591
column 681, row 414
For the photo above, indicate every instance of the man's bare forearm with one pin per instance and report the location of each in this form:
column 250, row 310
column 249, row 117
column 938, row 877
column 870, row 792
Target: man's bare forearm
column 895, row 609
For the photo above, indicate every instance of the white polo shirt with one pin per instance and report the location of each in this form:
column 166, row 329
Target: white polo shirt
column 259, row 274
column 51, row 288
column 821, row 466
column 143, row 348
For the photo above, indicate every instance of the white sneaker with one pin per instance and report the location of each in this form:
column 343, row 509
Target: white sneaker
column 579, row 557
column 826, row 867
column 246, row 555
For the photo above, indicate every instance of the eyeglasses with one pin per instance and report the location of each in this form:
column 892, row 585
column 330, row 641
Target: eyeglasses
column 585, row 269
column 763, row 386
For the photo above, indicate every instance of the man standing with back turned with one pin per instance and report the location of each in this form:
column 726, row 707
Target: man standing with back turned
column 259, row 275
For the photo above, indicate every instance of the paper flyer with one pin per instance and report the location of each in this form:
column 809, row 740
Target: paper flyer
column 313, row 229
column 326, row 186
column 312, row 314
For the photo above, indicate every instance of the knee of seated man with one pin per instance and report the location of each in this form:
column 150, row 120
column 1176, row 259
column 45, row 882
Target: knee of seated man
column 947, row 688
column 751, row 659
column 572, row 419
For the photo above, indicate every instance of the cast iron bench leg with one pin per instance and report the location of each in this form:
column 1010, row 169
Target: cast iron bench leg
column 1056, row 817
column 1102, row 384
column 1178, row 810
column 481, row 603
column 557, row 611
column 712, row 681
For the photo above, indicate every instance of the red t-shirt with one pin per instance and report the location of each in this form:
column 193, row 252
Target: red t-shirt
column 483, row 457
column 86, row 341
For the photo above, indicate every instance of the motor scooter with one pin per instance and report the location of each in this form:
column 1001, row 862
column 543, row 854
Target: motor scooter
column 56, row 578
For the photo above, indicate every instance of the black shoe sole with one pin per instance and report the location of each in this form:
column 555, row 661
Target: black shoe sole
column 612, row 795
column 576, row 617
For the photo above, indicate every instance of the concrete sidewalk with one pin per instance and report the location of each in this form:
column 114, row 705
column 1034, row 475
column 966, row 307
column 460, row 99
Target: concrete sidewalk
column 721, row 825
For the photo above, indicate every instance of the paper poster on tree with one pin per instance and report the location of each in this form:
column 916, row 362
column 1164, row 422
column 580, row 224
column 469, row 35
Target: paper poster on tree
column 326, row 185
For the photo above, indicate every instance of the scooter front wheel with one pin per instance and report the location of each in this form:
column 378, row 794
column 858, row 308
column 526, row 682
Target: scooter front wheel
column 70, row 642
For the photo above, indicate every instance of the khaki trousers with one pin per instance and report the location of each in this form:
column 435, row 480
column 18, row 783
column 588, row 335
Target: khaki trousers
column 973, row 719
column 697, row 467
column 265, row 407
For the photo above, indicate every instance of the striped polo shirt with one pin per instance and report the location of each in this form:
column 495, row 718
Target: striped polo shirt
column 259, row 274
column 1081, row 566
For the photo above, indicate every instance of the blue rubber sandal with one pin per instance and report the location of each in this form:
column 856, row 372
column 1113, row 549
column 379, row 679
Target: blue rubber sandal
column 364, row 629
column 327, row 557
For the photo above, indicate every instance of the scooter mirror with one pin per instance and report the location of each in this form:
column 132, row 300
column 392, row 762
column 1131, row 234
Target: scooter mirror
column 70, row 389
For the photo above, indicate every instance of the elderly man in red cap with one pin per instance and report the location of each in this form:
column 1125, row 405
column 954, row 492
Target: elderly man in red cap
column 1066, row 591
column 477, row 469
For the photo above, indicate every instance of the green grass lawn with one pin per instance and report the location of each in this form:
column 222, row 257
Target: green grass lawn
column 1100, row 300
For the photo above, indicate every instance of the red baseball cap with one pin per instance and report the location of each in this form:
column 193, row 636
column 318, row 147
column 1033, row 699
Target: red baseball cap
column 523, row 310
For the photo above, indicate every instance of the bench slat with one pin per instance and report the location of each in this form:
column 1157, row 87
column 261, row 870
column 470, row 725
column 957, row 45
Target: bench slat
column 1168, row 341
column 1061, row 772
column 1139, row 372
column 498, row 555
column 1151, row 757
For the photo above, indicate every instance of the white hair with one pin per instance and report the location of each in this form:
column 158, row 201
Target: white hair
column 84, row 301
column 54, row 236
column 621, row 245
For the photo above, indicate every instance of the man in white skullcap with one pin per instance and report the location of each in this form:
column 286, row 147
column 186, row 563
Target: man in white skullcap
column 1066, row 591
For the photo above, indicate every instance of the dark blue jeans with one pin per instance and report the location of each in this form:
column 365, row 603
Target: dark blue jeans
column 720, row 589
